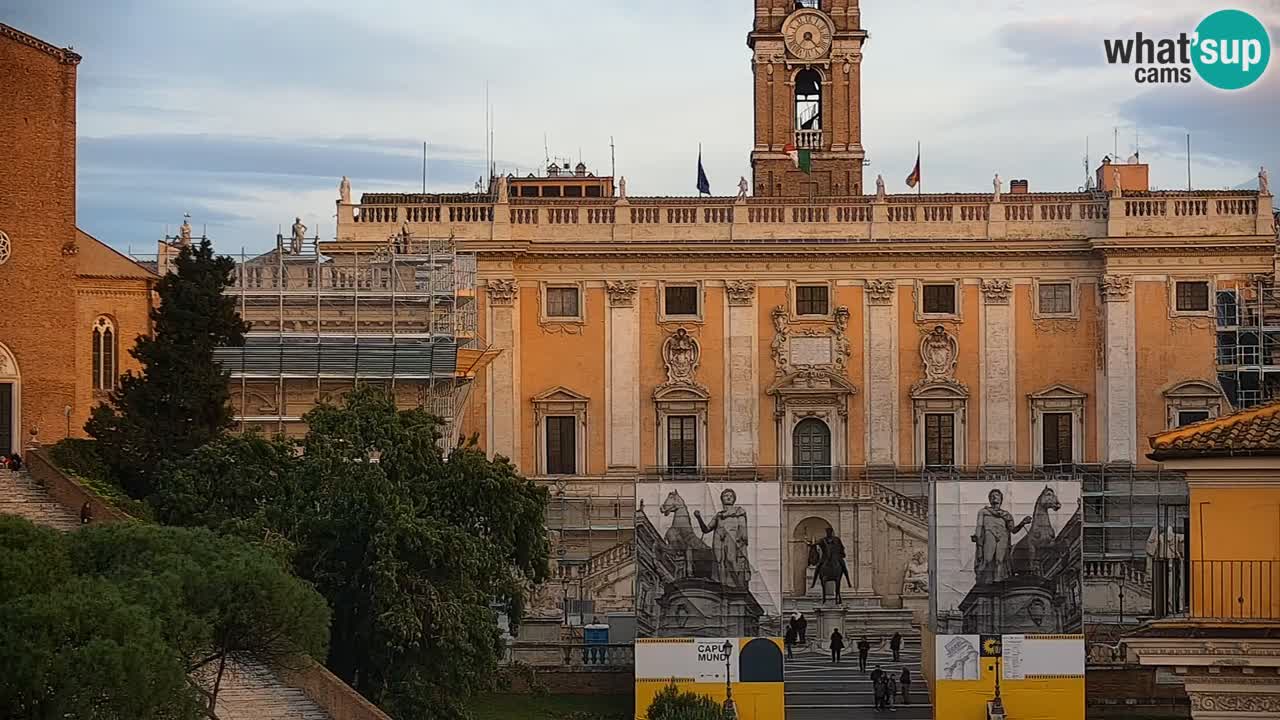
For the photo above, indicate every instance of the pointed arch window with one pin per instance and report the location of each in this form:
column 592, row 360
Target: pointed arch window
column 104, row 355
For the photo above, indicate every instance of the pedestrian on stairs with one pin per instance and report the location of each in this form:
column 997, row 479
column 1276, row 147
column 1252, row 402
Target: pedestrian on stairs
column 896, row 645
column 790, row 639
column 837, row 644
column 904, row 682
column 864, row 647
column 801, row 624
column 878, row 687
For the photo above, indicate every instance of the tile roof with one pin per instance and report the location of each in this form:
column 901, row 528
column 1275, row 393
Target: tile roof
column 97, row 259
column 1249, row 432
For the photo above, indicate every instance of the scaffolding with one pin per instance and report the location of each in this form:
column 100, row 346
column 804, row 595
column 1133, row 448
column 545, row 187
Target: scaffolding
column 401, row 316
column 1248, row 341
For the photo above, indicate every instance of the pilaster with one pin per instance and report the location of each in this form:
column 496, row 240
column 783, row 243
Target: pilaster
column 998, row 409
column 1120, row 381
column 622, row 381
column 881, row 371
column 741, row 397
column 504, row 380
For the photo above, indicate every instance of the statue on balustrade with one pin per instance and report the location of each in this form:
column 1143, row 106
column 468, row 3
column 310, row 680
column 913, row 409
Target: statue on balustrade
column 827, row 555
column 299, row 235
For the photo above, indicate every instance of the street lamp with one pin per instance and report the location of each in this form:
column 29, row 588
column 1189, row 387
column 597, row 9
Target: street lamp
column 730, row 712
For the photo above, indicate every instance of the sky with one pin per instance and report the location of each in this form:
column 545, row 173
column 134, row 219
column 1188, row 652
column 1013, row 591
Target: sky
column 245, row 113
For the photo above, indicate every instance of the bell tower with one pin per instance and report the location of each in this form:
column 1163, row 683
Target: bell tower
column 807, row 58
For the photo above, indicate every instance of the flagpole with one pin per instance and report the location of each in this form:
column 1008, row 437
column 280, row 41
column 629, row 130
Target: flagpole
column 919, row 180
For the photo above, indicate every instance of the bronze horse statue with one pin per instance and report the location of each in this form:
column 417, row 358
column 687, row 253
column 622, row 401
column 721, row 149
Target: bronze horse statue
column 829, row 567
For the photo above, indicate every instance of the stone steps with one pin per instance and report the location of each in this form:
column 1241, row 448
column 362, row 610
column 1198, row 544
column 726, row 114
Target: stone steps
column 252, row 692
column 248, row 692
column 22, row 496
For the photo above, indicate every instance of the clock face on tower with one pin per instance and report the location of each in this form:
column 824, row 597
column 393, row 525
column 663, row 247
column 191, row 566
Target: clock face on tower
column 807, row 34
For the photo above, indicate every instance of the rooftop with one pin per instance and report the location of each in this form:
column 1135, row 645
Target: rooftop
column 1254, row 432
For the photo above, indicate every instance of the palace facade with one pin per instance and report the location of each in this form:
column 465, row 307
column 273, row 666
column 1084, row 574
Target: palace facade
column 846, row 343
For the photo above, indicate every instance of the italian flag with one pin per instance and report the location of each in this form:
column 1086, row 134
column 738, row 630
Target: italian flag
column 802, row 158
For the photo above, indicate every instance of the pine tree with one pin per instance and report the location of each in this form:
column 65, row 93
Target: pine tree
column 180, row 400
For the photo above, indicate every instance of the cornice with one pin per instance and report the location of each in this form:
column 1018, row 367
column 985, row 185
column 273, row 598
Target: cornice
column 64, row 55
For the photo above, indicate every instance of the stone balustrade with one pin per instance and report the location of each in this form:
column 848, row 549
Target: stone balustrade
column 901, row 218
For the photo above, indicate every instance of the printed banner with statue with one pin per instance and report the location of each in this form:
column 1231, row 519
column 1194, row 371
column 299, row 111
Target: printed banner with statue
column 1007, row 557
column 708, row 559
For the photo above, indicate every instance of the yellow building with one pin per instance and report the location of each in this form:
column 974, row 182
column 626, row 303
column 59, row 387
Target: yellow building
column 844, row 339
column 1225, row 643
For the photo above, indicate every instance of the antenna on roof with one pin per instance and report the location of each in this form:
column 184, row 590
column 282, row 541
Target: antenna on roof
column 613, row 159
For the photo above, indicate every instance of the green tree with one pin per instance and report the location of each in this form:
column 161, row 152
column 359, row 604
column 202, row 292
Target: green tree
column 671, row 703
column 412, row 548
column 220, row 600
column 180, row 400
column 238, row 484
column 85, row 651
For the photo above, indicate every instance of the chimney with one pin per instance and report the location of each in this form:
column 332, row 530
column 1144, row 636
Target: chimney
column 1134, row 176
column 580, row 170
column 1019, row 187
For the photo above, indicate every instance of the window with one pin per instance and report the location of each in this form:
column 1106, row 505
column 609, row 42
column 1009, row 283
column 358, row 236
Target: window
column 812, row 300
column 940, row 299
column 594, row 191
column 562, row 451
column 1192, row 296
column 529, row 191
column 551, row 191
column 939, row 439
column 809, row 104
column 1057, row 446
column 1055, row 299
column 1186, row 417
column 682, row 441
column 104, row 355
column 815, row 4
column 681, row 300
column 562, row 302
column 573, row 191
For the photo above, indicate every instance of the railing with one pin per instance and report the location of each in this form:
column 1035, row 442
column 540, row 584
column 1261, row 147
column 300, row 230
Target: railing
column 809, row 139
column 575, row 655
column 1235, row 590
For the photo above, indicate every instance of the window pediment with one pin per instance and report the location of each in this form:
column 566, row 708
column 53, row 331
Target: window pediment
column 812, row 380
column 680, row 392
column 1194, row 390
column 939, row 390
column 560, row 394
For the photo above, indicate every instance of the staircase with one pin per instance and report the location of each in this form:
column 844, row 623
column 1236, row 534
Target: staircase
column 22, row 496
column 817, row 690
column 252, row 692
column 248, row 692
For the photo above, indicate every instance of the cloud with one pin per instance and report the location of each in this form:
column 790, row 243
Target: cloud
column 1234, row 130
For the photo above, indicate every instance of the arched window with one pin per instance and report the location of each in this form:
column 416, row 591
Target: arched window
column 809, row 109
column 104, row 355
column 811, row 450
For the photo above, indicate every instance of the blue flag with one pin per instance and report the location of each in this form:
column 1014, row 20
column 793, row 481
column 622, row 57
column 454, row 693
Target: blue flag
column 704, row 185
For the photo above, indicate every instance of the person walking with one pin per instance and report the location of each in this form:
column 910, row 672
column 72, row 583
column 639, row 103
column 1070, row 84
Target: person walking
column 896, row 645
column 790, row 639
column 837, row 644
column 904, row 682
column 801, row 624
column 864, row 647
column 890, row 690
column 878, row 686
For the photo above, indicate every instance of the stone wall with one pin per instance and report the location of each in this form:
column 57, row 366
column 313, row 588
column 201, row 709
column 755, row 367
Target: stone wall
column 329, row 692
column 68, row 491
